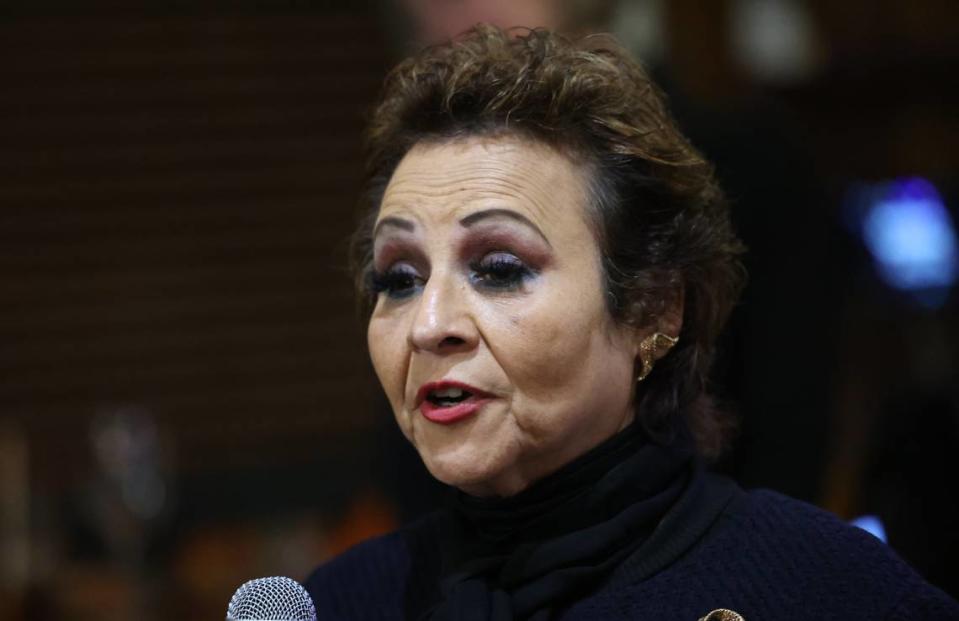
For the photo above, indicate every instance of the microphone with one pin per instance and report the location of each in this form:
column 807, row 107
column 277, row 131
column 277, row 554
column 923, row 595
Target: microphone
column 271, row 599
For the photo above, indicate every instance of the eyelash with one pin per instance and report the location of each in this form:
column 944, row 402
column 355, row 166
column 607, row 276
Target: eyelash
column 398, row 281
column 497, row 271
column 500, row 270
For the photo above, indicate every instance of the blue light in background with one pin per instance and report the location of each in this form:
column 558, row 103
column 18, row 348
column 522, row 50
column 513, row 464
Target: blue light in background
column 912, row 239
column 872, row 525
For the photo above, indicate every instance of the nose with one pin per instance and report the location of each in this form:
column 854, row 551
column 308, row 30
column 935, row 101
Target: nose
column 442, row 323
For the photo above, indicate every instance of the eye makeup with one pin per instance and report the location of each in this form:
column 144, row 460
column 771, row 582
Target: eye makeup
column 500, row 271
column 495, row 255
column 401, row 280
column 516, row 240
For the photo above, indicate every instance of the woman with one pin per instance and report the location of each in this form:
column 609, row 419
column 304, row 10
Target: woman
column 547, row 265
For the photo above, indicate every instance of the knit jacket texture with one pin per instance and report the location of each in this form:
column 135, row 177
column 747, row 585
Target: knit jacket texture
column 763, row 555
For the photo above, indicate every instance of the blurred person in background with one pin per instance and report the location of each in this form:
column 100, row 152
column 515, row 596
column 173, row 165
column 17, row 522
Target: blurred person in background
column 547, row 264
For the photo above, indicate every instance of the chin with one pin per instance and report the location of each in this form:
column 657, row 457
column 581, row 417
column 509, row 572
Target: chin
column 468, row 472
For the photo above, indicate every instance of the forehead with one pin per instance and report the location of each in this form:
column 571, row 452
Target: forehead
column 441, row 182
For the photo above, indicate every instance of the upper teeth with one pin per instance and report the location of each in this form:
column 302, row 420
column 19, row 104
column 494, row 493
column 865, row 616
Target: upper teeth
column 448, row 393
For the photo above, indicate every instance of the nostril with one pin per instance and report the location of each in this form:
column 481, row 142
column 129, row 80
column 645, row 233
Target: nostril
column 451, row 341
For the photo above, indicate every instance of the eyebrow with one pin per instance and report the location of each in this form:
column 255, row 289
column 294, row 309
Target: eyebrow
column 468, row 221
column 478, row 216
column 399, row 223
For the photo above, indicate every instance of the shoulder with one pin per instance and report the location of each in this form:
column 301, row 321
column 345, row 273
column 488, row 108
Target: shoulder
column 372, row 580
column 799, row 554
column 768, row 556
column 767, row 522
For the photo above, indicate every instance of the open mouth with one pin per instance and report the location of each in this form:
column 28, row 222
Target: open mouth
column 447, row 401
column 448, row 397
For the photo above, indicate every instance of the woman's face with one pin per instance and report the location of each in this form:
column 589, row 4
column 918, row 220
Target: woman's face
column 490, row 333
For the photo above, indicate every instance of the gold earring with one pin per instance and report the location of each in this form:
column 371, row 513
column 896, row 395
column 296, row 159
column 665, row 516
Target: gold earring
column 649, row 348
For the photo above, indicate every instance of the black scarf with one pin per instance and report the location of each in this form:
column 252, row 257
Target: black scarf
column 527, row 556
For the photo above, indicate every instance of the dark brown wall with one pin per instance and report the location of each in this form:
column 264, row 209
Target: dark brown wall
column 175, row 190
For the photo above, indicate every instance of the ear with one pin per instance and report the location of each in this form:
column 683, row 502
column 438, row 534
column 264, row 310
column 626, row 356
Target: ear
column 668, row 319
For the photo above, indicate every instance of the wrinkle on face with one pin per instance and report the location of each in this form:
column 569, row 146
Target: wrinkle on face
column 561, row 368
column 512, row 173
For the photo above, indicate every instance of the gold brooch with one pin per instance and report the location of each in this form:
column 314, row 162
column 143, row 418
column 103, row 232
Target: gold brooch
column 722, row 614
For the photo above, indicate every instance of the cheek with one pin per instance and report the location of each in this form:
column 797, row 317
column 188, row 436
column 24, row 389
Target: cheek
column 546, row 358
column 556, row 347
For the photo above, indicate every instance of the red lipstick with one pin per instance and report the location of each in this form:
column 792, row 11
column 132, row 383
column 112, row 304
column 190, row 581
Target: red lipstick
column 447, row 412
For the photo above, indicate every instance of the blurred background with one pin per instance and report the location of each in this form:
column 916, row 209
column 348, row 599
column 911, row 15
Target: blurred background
column 185, row 396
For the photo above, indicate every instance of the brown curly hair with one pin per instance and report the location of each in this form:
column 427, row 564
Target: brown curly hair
column 661, row 220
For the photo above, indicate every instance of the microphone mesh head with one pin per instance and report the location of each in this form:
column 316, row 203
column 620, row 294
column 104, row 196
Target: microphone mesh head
column 271, row 599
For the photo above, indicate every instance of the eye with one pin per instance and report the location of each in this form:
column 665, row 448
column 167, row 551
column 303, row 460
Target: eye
column 500, row 270
column 399, row 281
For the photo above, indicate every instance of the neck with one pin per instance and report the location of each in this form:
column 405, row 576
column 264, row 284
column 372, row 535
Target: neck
column 528, row 475
column 597, row 485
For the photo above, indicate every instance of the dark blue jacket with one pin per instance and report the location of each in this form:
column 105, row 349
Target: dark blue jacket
column 761, row 554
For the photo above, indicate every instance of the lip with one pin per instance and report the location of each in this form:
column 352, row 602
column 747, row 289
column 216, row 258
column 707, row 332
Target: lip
column 451, row 414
